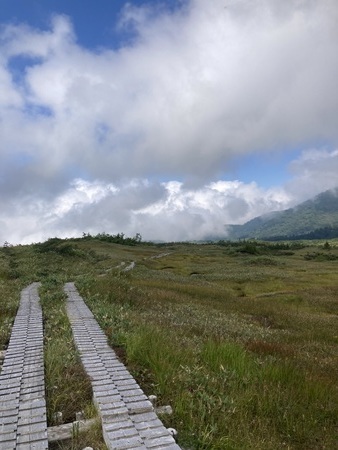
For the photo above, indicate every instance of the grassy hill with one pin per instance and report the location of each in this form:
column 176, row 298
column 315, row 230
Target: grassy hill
column 239, row 338
column 314, row 219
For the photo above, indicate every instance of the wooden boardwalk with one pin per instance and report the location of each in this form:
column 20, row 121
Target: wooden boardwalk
column 128, row 417
column 23, row 423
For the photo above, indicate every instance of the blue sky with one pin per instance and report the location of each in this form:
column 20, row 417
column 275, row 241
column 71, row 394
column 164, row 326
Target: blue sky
column 183, row 115
column 95, row 22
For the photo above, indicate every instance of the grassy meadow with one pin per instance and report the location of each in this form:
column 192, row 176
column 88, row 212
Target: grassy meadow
column 239, row 338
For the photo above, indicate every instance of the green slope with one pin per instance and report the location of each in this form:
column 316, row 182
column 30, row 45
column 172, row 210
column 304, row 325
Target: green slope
column 315, row 218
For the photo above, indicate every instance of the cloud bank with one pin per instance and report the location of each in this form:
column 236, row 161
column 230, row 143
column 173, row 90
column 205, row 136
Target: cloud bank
column 90, row 138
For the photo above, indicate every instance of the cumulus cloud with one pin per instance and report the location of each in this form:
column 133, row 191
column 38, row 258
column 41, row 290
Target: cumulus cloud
column 160, row 211
column 191, row 89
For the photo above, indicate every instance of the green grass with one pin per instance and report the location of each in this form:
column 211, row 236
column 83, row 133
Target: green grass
column 239, row 338
column 68, row 389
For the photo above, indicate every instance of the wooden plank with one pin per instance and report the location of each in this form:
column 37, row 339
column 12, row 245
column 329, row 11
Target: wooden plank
column 128, row 417
column 23, row 422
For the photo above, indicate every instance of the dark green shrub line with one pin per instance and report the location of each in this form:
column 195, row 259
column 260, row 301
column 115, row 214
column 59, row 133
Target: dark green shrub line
column 118, row 238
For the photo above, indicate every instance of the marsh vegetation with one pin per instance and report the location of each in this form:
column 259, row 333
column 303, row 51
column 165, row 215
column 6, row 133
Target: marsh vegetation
column 239, row 338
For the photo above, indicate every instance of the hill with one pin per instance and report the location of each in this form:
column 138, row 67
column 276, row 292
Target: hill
column 316, row 218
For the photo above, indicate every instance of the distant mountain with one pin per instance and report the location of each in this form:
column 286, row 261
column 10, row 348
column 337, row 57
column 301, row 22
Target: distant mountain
column 314, row 219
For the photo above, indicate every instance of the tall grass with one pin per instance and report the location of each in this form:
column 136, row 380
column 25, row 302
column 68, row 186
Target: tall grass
column 233, row 366
column 226, row 397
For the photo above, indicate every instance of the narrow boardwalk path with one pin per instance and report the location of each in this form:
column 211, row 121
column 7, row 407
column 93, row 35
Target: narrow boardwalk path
column 128, row 418
column 23, row 422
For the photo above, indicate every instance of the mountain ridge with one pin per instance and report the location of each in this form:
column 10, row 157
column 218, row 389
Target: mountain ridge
column 313, row 219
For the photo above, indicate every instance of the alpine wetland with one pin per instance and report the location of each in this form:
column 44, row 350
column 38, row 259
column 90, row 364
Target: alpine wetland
column 239, row 338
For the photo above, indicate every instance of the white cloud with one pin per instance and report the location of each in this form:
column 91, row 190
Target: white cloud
column 194, row 87
column 315, row 171
column 193, row 90
column 165, row 211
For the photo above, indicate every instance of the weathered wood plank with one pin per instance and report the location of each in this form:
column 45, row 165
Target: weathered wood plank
column 128, row 417
column 23, row 421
